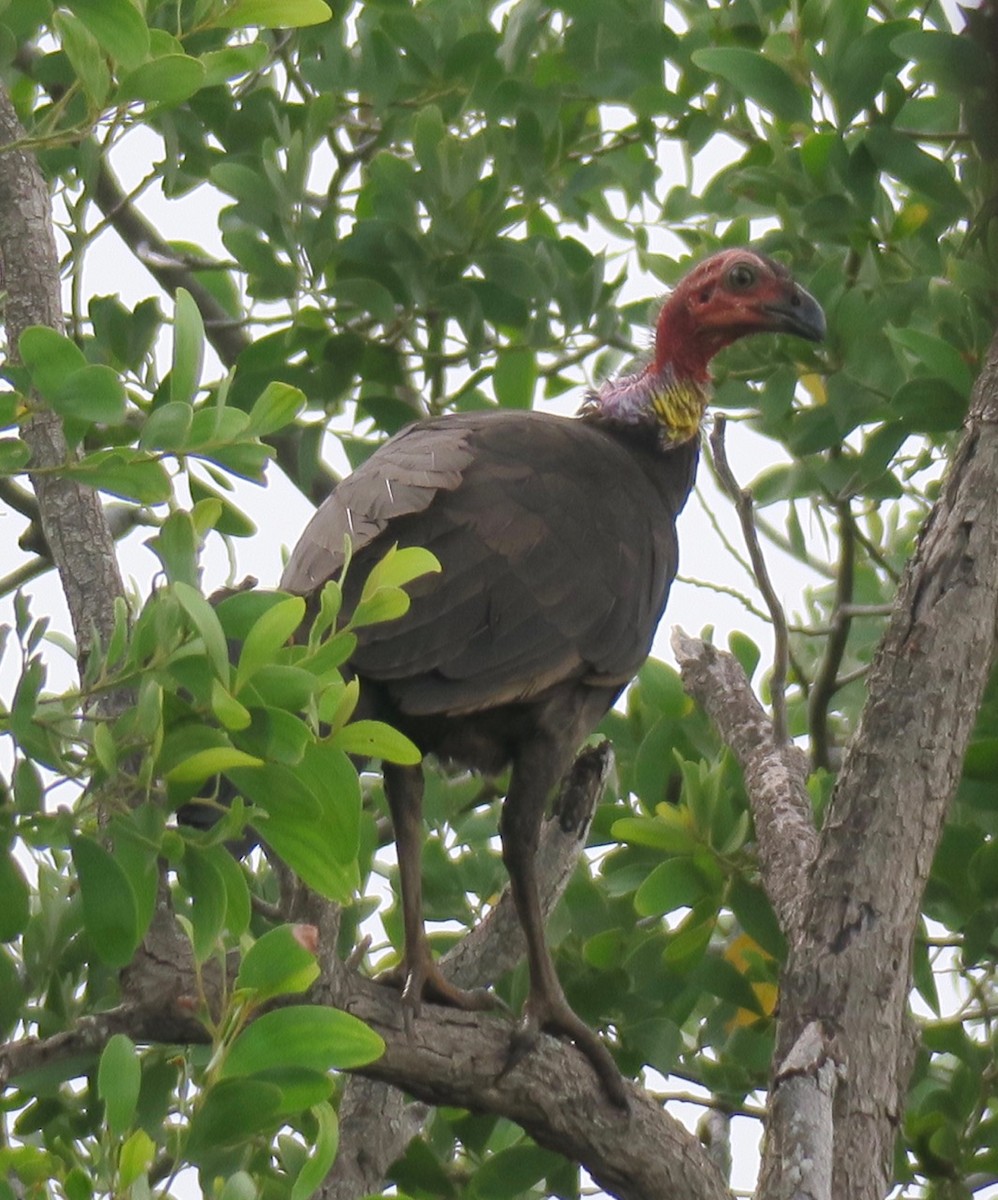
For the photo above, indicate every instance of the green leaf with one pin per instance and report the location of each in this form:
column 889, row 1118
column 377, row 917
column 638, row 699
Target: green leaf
column 231, row 1112
column 268, row 635
column 94, row 394
column 676, row 883
column 515, row 377
column 230, row 713
column 900, row 156
column 316, row 1167
column 206, row 622
column 188, row 349
column 119, row 1077
column 85, row 56
column 277, row 964
column 751, row 906
column 274, row 14
column 11, row 994
column 513, row 1171
column 14, row 456
column 176, row 547
column 928, row 405
column 118, row 26
column 722, row 979
column 110, row 911
column 14, row 895
column 127, row 474
column 204, row 764
column 668, row 832
column 277, row 405
column 135, row 1159
column 310, row 1036
column 746, row 651
column 399, row 567
column 231, row 62
column 167, row 427
column 315, row 832
column 170, row 80
column 374, row 739
column 757, row 78
column 50, row 358
column 203, row 879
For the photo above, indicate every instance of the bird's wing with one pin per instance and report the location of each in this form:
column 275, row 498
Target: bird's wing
column 402, row 477
column 557, row 554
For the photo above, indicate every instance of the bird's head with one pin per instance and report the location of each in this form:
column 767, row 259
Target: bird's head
column 728, row 296
column 724, row 298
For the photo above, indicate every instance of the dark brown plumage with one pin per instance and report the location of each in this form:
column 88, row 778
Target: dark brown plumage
column 557, row 543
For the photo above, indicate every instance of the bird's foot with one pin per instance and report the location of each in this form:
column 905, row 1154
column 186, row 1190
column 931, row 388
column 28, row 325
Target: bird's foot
column 422, row 980
column 550, row 1014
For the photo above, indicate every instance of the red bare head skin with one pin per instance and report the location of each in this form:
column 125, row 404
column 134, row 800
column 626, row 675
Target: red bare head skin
column 728, row 296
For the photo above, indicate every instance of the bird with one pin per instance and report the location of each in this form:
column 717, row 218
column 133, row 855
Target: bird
column 556, row 538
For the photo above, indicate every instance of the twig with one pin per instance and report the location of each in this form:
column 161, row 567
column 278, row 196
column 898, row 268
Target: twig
column 826, row 681
column 781, row 636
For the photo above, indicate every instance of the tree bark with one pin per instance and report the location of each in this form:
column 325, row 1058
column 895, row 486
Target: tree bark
column 845, row 986
column 72, row 517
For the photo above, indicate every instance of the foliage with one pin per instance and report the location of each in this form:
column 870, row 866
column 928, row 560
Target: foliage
column 411, row 201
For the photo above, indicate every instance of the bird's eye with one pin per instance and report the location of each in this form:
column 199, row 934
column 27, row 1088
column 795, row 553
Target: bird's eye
column 741, row 276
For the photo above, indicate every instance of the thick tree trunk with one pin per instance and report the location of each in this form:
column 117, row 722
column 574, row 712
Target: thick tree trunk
column 850, row 903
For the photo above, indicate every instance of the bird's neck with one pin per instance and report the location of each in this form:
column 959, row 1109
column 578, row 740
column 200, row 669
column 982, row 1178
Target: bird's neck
column 660, row 397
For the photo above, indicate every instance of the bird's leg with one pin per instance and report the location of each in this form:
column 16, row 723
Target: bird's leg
column 546, row 1007
column 419, row 977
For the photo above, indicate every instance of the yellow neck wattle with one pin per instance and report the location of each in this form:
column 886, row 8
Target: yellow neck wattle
column 679, row 405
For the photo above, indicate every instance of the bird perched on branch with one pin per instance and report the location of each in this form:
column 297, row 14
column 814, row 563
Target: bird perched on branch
column 557, row 543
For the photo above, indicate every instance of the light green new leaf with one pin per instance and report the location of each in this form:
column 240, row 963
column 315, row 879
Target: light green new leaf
column 374, row 739
column 274, row 14
column 277, row 405
column 214, row 761
column 269, row 633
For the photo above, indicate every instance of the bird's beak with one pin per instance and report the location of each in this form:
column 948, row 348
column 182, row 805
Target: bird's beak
column 798, row 313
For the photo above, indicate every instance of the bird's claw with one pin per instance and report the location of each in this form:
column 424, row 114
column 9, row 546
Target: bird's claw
column 557, row 1018
column 423, row 980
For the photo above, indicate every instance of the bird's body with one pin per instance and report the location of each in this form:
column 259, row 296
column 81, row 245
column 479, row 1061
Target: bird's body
column 557, row 543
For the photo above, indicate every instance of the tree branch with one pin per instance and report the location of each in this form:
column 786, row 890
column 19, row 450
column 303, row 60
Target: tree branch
column 72, row 517
column 774, row 774
column 742, row 501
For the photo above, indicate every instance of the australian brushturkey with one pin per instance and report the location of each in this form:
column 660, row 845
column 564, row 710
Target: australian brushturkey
column 558, row 546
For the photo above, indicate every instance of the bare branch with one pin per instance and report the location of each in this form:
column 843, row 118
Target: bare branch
column 774, row 774
column 826, row 681
column 781, row 637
